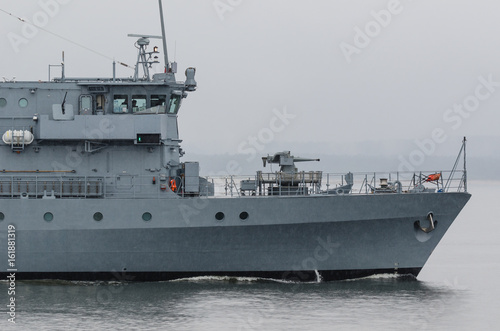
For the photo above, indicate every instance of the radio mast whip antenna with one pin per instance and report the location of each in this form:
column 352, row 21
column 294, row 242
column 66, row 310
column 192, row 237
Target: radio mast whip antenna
column 164, row 37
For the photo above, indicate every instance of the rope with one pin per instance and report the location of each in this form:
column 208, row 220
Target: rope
column 66, row 39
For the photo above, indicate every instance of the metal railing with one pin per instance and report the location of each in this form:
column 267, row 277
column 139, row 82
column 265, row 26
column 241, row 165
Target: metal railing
column 51, row 187
column 260, row 185
column 336, row 183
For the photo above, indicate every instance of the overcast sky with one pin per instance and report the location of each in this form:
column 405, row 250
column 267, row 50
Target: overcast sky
column 322, row 76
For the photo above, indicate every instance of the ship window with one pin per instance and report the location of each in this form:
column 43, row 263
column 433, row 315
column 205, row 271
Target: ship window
column 98, row 217
column 23, row 103
column 99, row 102
column 138, row 103
column 147, row 217
column 219, row 216
column 85, row 104
column 48, row 216
column 158, row 100
column 2, row 216
column 3, row 102
column 120, row 103
column 175, row 102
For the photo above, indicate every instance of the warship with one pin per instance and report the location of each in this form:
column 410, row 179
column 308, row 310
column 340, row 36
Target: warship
column 93, row 187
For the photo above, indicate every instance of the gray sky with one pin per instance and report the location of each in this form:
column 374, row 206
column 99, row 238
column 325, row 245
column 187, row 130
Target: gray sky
column 348, row 77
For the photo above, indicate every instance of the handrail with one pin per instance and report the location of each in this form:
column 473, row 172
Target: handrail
column 67, row 185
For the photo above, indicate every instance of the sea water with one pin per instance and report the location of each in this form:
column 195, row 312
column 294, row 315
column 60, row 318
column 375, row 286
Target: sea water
column 456, row 290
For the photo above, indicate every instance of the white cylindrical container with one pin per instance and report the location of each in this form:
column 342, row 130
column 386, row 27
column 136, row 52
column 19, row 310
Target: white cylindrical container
column 18, row 137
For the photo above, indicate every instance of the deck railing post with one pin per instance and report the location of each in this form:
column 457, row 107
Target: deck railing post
column 465, row 164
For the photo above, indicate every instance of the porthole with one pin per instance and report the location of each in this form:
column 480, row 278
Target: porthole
column 48, row 216
column 23, row 103
column 3, row 102
column 243, row 215
column 98, row 217
column 147, row 217
column 2, row 216
column 219, row 216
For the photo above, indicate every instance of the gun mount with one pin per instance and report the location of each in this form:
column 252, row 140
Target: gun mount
column 287, row 181
column 285, row 160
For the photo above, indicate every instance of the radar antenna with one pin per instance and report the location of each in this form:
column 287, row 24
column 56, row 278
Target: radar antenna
column 144, row 58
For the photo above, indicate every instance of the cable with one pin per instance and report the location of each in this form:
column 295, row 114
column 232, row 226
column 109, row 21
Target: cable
column 66, row 39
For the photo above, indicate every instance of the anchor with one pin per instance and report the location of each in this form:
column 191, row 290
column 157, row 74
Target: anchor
column 432, row 226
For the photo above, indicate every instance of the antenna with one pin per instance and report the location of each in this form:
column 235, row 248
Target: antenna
column 164, row 37
column 62, row 72
column 145, row 36
column 64, row 101
column 144, row 58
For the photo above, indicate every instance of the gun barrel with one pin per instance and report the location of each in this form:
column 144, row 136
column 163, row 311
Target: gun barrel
column 301, row 159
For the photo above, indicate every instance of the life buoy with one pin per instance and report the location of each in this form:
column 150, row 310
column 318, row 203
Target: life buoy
column 173, row 185
column 433, row 177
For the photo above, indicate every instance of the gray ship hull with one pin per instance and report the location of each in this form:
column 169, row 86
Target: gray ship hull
column 294, row 238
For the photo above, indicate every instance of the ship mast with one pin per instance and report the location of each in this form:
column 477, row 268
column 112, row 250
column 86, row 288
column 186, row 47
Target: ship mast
column 164, row 37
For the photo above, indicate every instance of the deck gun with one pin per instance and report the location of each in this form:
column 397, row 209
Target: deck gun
column 285, row 160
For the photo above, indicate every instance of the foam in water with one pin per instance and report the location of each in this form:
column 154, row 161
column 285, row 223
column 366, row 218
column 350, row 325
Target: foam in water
column 230, row 279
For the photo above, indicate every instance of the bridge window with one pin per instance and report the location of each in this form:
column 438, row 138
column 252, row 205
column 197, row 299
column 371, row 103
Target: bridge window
column 175, row 102
column 158, row 100
column 99, row 102
column 138, row 103
column 120, row 103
